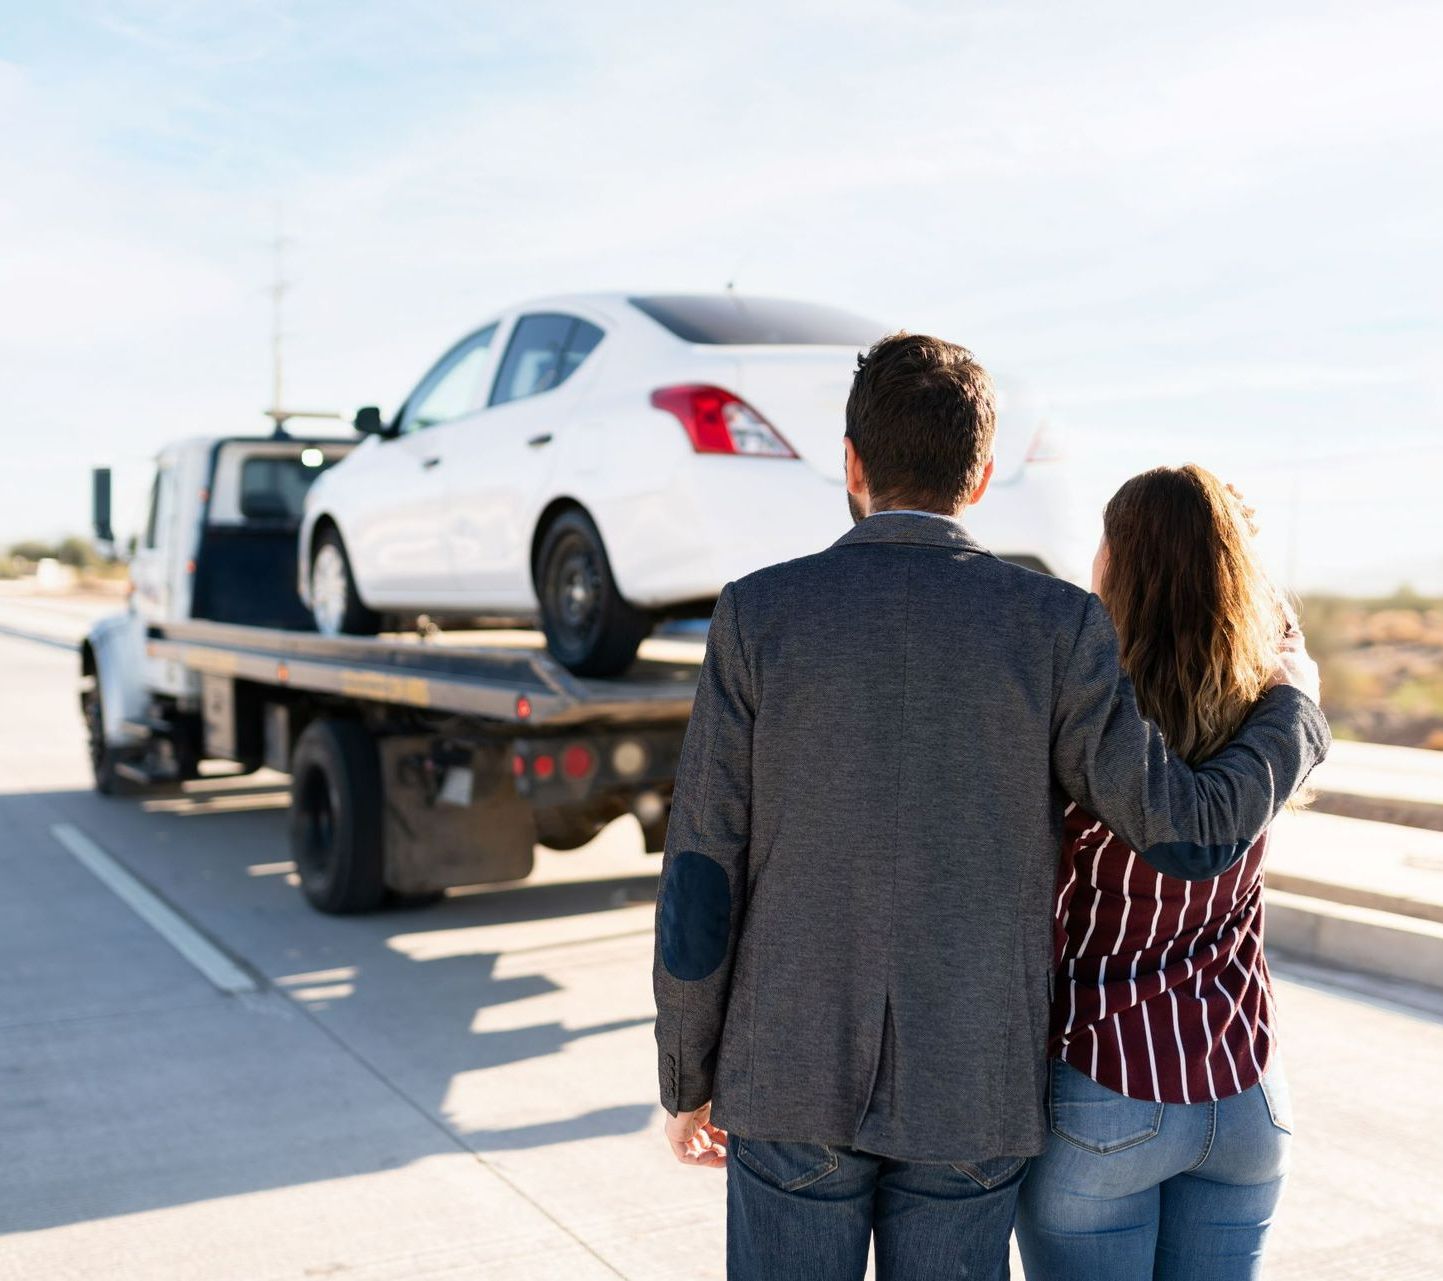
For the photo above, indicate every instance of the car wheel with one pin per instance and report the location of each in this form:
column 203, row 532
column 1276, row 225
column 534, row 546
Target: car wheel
column 590, row 627
column 336, row 607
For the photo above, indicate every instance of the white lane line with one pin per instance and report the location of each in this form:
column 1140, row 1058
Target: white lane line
column 224, row 973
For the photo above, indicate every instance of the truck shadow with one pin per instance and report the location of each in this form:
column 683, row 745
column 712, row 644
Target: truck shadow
column 513, row 1017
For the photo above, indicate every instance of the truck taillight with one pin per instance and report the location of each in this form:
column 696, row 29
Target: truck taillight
column 578, row 761
column 718, row 422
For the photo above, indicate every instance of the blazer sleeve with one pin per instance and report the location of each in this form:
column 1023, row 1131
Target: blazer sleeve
column 702, row 896
column 1186, row 822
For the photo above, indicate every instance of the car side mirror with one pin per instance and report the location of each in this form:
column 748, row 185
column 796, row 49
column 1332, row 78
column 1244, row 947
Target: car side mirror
column 368, row 421
column 100, row 505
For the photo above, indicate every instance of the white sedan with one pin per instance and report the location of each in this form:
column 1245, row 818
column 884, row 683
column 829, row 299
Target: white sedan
column 606, row 461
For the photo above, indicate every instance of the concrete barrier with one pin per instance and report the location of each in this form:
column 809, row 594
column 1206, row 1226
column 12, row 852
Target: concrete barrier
column 1356, row 938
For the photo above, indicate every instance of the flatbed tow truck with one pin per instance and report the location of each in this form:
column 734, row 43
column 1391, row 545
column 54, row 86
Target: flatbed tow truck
column 418, row 762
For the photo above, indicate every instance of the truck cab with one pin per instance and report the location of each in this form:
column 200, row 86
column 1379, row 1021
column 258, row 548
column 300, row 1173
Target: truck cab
column 217, row 542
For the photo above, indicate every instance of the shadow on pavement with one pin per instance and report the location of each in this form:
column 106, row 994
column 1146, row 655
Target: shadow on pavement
column 128, row 1084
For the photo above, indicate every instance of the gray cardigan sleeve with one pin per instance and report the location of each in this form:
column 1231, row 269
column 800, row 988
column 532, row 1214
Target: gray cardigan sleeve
column 703, row 888
column 1186, row 822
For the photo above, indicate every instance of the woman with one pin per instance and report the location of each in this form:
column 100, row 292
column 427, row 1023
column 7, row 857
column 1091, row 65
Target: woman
column 1169, row 1114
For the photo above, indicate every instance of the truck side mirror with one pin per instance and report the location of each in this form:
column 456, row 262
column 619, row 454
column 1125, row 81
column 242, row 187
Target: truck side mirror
column 100, row 505
column 368, row 421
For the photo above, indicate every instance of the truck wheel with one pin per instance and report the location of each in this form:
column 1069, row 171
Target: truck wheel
column 336, row 817
column 336, row 606
column 102, row 755
column 590, row 627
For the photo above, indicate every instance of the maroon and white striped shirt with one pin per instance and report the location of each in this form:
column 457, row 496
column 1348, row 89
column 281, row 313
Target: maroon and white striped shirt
column 1162, row 988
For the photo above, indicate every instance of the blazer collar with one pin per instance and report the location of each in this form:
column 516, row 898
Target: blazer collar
column 913, row 529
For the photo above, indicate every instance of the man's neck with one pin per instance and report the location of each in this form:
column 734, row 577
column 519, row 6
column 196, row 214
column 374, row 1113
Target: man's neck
column 955, row 517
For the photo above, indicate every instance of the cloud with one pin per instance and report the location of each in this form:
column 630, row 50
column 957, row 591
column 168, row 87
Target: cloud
column 1217, row 224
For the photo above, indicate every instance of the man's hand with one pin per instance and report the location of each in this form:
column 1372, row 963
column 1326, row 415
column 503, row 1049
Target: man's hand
column 695, row 1140
column 1295, row 666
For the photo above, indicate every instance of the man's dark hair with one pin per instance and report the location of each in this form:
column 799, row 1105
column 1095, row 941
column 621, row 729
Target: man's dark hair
column 922, row 416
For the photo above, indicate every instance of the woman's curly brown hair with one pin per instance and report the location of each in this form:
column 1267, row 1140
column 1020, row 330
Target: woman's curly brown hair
column 1198, row 620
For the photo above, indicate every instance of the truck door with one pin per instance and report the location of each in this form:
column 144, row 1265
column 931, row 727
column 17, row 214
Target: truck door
column 151, row 569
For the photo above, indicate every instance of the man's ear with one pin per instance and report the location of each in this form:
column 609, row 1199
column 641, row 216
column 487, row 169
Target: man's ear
column 856, row 478
column 986, row 480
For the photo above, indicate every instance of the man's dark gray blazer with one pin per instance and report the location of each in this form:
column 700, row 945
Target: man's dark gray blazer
column 854, row 929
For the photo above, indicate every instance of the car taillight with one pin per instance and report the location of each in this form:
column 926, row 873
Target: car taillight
column 719, row 423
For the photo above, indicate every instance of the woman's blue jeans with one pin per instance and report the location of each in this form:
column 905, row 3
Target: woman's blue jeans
column 1130, row 1190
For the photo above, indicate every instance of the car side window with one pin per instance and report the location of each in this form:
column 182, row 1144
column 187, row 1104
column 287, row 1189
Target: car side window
column 453, row 388
column 544, row 351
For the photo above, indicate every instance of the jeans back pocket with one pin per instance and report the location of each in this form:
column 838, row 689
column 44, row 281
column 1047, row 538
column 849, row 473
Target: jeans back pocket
column 789, row 1167
column 1097, row 1119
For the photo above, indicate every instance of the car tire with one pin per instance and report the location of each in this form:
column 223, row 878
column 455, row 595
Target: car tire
column 590, row 627
column 337, row 818
column 336, row 606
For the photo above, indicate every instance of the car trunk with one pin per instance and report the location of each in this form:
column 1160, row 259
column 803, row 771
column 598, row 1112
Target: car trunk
column 802, row 392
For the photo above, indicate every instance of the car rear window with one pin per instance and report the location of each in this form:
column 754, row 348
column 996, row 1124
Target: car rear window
column 729, row 320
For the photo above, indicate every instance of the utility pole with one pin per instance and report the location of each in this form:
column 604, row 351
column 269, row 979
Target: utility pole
column 279, row 288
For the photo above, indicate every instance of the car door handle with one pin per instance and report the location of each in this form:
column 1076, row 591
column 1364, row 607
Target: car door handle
column 537, row 441
column 430, row 462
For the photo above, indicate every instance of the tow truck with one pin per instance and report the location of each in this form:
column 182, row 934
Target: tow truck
column 419, row 761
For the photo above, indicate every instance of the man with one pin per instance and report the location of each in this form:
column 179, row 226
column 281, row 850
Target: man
column 854, row 929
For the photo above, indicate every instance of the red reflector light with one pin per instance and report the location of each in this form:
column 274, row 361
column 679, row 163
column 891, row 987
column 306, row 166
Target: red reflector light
column 577, row 761
column 518, row 765
column 544, row 766
column 523, row 708
column 718, row 422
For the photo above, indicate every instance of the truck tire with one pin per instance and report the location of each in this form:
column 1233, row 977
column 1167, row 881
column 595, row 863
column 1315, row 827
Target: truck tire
column 102, row 755
column 336, row 606
column 591, row 628
column 336, row 818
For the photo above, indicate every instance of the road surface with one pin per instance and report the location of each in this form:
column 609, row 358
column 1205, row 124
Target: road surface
column 460, row 1091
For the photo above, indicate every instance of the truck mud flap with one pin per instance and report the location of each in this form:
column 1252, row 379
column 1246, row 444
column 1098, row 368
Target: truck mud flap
column 432, row 841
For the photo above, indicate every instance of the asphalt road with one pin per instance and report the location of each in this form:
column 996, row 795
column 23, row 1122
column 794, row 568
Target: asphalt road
column 464, row 1090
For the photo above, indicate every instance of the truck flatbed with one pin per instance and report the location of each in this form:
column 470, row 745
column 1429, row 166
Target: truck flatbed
column 507, row 677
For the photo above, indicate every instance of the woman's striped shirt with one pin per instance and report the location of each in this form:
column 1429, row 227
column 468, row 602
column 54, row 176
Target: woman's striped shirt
column 1162, row 988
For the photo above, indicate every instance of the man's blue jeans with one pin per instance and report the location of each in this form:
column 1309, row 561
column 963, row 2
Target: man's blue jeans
column 1130, row 1190
column 800, row 1212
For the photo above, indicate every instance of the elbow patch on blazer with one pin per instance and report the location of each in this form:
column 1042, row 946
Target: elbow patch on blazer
column 1189, row 862
column 696, row 913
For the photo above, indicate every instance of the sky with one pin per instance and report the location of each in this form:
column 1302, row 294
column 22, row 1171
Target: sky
column 1205, row 233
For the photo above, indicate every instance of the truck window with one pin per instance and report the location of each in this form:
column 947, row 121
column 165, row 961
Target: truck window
column 152, row 518
column 275, row 488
